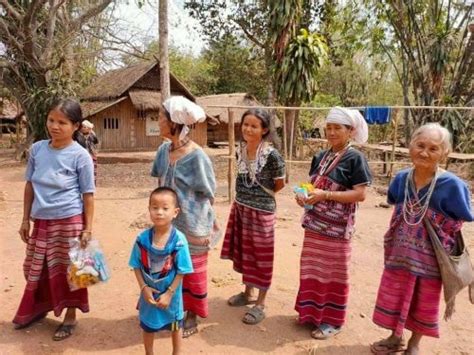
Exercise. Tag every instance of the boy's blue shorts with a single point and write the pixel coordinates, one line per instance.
(171, 326)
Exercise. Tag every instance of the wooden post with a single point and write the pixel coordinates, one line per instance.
(231, 175)
(394, 143)
(285, 146)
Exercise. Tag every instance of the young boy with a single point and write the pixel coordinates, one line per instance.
(160, 257)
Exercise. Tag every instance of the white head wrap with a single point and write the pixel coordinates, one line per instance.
(88, 124)
(184, 111)
(351, 118)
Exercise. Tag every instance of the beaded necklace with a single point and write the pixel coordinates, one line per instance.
(252, 172)
(414, 207)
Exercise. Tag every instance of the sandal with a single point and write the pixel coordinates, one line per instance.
(325, 331)
(254, 315)
(31, 322)
(64, 331)
(239, 300)
(187, 332)
(388, 347)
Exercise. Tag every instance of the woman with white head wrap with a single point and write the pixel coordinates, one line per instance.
(86, 137)
(182, 165)
(340, 176)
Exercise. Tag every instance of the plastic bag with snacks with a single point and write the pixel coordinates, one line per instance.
(88, 266)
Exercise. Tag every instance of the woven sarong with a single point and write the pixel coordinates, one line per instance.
(249, 242)
(324, 280)
(45, 270)
(408, 301)
(195, 287)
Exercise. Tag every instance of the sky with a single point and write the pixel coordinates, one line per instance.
(182, 30)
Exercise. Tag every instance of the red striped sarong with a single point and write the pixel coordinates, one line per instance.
(249, 242)
(45, 270)
(408, 301)
(195, 287)
(324, 280)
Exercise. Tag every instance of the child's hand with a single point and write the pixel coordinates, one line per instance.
(148, 295)
(299, 200)
(164, 301)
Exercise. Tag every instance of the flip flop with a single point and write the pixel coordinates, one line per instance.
(190, 331)
(325, 331)
(254, 315)
(65, 329)
(386, 347)
(239, 300)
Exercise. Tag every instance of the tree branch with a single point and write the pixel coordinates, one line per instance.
(11, 10)
(93, 11)
(249, 35)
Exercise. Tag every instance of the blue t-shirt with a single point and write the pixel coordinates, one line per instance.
(59, 178)
(162, 266)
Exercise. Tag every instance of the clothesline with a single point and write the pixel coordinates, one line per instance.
(352, 108)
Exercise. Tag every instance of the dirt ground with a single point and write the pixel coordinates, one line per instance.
(112, 327)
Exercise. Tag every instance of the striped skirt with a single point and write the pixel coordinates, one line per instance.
(249, 242)
(45, 270)
(408, 301)
(195, 287)
(324, 280)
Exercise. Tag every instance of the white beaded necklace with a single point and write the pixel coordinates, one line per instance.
(252, 172)
(414, 207)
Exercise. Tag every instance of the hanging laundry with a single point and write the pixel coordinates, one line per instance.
(377, 114)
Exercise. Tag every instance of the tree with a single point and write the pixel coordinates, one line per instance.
(164, 59)
(429, 39)
(297, 60)
(39, 38)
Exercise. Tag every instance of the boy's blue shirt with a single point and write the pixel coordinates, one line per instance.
(176, 246)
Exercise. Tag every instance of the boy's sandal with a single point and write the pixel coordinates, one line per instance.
(187, 332)
(34, 320)
(388, 347)
(325, 331)
(239, 300)
(254, 315)
(64, 331)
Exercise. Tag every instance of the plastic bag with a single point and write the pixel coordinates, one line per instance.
(302, 191)
(88, 266)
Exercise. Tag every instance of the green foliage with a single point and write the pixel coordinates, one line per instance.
(296, 77)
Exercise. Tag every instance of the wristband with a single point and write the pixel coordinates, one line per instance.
(171, 290)
(143, 287)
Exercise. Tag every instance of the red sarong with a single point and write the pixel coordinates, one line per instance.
(45, 270)
(408, 301)
(324, 280)
(195, 287)
(249, 243)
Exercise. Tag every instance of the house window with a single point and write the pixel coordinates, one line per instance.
(111, 123)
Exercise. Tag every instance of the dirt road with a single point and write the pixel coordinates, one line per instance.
(111, 326)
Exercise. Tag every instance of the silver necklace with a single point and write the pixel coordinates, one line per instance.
(252, 173)
(414, 207)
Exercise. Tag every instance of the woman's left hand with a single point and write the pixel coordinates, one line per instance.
(85, 237)
(315, 196)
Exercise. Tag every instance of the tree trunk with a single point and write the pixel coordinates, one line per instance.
(164, 59)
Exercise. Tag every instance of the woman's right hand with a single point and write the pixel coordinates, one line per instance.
(299, 200)
(24, 231)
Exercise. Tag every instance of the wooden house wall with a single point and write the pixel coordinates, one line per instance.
(131, 131)
(220, 133)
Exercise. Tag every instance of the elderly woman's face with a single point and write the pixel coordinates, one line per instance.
(85, 130)
(426, 150)
(165, 125)
(337, 134)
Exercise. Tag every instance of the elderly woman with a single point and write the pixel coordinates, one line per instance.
(87, 138)
(182, 165)
(410, 289)
(340, 176)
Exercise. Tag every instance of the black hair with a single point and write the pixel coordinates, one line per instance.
(72, 110)
(175, 126)
(266, 121)
(165, 190)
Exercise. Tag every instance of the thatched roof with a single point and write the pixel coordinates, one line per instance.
(234, 99)
(90, 108)
(145, 100)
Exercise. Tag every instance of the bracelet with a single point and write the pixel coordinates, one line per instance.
(143, 287)
(171, 290)
(86, 232)
(25, 221)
